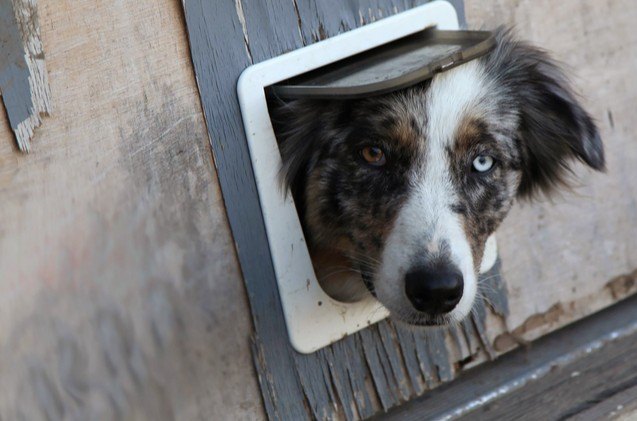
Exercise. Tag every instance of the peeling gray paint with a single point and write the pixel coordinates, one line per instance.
(14, 73)
(268, 40)
(326, 18)
(382, 366)
(24, 82)
(399, 362)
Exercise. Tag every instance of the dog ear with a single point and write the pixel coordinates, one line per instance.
(296, 125)
(554, 128)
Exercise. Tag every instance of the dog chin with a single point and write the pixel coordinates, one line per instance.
(423, 321)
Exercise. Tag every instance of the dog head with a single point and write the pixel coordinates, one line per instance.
(407, 187)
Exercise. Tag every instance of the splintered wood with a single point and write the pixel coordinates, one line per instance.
(23, 77)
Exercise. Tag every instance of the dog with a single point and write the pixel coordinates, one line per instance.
(398, 193)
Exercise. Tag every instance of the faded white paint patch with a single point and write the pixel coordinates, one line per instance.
(242, 19)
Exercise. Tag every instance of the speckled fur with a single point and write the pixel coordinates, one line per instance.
(518, 108)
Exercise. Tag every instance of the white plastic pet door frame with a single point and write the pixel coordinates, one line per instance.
(314, 319)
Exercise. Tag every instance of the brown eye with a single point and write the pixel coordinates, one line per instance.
(373, 155)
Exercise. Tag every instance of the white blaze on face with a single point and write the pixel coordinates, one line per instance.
(426, 220)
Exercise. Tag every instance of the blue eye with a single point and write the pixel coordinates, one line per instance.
(483, 163)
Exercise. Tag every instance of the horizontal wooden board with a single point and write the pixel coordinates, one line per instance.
(585, 371)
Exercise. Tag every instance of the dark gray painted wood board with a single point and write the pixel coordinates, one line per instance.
(620, 403)
(585, 371)
(373, 370)
(14, 77)
(23, 78)
(219, 56)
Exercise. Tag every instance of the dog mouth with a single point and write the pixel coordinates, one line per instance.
(367, 281)
(420, 319)
(429, 321)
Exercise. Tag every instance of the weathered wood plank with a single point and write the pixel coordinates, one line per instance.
(460, 343)
(563, 374)
(14, 76)
(317, 385)
(270, 28)
(412, 365)
(478, 320)
(336, 357)
(323, 19)
(353, 369)
(468, 333)
(392, 348)
(427, 367)
(120, 293)
(435, 339)
(620, 406)
(219, 55)
(382, 385)
(24, 83)
(571, 389)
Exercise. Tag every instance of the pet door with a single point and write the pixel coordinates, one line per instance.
(389, 54)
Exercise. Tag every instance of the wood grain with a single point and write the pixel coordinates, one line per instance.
(566, 252)
(621, 405)
(220, 55)
(584, 371)
(573, 391)
(120, 293)
(120, 289)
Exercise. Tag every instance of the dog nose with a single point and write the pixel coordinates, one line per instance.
(434, 290)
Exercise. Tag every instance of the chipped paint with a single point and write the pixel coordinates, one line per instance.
(508, 340)
(14, 75)
(616, 289)
(242, 20)
(23, 77)
(384, 365)
(623, 285)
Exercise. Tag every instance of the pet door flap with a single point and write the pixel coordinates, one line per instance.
(390, 67)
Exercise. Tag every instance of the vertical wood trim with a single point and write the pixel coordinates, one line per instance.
(267, 40)
(219, 56)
